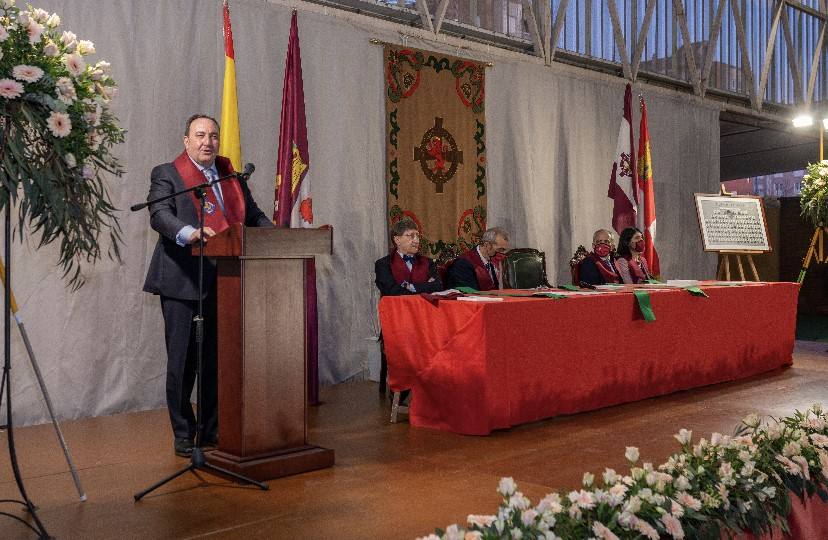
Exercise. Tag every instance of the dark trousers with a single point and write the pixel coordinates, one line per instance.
(179, 333)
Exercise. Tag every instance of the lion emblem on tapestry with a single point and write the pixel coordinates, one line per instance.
(436, 149)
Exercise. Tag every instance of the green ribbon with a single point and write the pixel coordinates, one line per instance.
(644, 305)
(695, 291)
(652, 282)
(569, 287)
(469, 290)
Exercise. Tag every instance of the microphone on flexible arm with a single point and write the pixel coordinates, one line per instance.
(248, 170)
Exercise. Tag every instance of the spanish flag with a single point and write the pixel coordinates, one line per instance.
(645, 182)
(230, 142)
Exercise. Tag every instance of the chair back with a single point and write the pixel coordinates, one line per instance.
(575, 264)
(524, 268)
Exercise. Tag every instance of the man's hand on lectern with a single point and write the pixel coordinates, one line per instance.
(208, 232)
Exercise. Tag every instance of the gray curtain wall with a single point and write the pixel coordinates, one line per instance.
(550, 138)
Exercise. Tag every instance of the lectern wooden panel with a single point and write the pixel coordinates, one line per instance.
(261, 350)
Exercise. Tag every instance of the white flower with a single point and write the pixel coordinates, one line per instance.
(683, 436)
(528, 517)
(506, 486)
(93, 115)
(726, 470)
(27, 73)
(86, 47)
(4, 34)
(633, 504)
(716, 439)
(10, 89)
(51, 50)
(516, 533)
(588, 479)
(68, 37)
(582, 499)
(610, 476)
(751, 420)
(631, 454)
(96, 74)
(770, 491)
(473, 535)
(429, 537)
(673, 526)
(480, 520)
(453, 533)
(774, 432)
(518, 501)
(59, 124)
(103, 66)
(823, 171)
(601, 531)
(23, 18)
(70, 160)
(40, 15)
(53, 21)
(74, 63)
(65, 90)
(35, 30)
(681, 483)
(791, 449)
(551, 503)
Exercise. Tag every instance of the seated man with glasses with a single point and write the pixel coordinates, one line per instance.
(404, 271)
(598, 268)
(479, 268)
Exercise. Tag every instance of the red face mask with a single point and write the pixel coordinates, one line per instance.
(639, 246)
(498, 258)
(602, 250)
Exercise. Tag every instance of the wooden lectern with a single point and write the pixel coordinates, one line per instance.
(261, 350)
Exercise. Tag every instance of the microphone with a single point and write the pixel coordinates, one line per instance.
(248, 170)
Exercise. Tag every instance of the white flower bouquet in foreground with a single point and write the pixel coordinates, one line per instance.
(57, 135)
(712, 489)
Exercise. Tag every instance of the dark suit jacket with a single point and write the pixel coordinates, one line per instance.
(173, 271)
(461, 274)
(388, 286)
(589, 273)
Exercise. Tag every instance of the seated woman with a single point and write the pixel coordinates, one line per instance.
(631, 264)
(598, 268)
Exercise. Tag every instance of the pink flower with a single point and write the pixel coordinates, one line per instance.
(10, 89)
(480, 520)
(35, 30)
(74, 63)
(27, 73)
(4, 34)
(646, 529)
(582, 499)
(65, 90)
(689, 501)
(673, 526)
(59, 124)
(601, 531)
(86, 47)
(51, 50)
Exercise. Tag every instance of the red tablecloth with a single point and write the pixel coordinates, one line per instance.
(474, 367)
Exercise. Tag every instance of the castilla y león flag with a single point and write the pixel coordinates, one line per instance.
(623, 186)
(293, 205)
(645, 179)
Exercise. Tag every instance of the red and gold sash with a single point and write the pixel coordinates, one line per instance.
(418, 272)
(638, 269)
(230, 190)
(610, 274)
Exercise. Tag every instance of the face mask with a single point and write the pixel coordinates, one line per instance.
(639, 246)
(498, 258)
(602, 250)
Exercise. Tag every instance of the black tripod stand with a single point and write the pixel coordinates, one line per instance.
(197, 461)
(5, 389)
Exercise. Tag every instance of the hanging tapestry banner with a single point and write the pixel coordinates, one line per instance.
(436, 147)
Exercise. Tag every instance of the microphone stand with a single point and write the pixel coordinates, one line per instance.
(197, 461)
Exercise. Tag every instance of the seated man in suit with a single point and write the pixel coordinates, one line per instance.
(404, 271)
(477, 268)
(598, 268)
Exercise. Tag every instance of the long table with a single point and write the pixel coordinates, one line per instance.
(474, 367)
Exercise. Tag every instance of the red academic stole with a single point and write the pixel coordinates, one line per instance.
(484, 278)
(230, 190)
(638, 269)
(609, 274)
(418, 272)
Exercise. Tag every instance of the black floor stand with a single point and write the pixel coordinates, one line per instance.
(5, 390)
(197, 461)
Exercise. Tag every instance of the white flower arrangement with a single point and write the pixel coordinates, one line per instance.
(713, 489)
(57, 135)
(814, 193)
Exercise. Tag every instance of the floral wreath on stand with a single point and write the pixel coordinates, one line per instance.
(814, 194)
(57, 136)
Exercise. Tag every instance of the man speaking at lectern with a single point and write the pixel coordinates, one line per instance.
(173, 271)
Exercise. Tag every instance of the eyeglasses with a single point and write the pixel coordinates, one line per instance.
(412, 235)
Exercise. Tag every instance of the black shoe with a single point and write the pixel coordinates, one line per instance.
(209, 444)
(183, 447)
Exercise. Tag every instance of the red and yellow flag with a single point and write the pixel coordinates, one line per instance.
(645, 181)
(230, 142)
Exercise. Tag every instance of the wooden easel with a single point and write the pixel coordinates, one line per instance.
(815, 251)
(724, 264)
